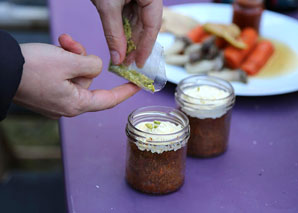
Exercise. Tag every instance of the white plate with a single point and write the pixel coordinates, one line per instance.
(274, 26)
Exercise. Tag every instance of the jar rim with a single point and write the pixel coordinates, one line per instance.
(171, 111)
(212, 79)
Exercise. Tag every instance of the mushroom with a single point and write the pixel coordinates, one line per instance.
(178, 46)
(195, 47)
(230, 75)
(204, 66)
(194, 51)
(178, 60)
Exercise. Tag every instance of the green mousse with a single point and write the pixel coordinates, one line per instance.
(132, 75)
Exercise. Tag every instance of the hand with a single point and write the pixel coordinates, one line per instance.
(55, 82)
(145, 17)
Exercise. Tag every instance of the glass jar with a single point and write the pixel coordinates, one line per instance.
(155, 162)
(207, 102)
(248, 13)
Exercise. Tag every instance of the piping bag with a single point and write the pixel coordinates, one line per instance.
(152, 77)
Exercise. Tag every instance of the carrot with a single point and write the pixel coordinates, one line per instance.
(198, 34)
(234, 56)
(258, 58)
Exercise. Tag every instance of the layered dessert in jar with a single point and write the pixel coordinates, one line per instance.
(207, 102)
(156, 149)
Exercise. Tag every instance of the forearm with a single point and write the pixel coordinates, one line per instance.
(11, 67)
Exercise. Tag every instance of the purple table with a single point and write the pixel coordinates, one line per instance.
(259, 173)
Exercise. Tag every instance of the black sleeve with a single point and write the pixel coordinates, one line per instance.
(11, 68)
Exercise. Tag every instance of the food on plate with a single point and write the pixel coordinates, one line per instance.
(178, 60)
(192, 49)
(248, 13)
(283, 60)
(231, 52)
(177, 23)
(229, 32)
(208, 103)
(202, 58)
(209, 49)
(156, 149)
(235, 56)
(258, 58)
(222, 50)
(198, 34)
(230, 75)
(178, 46)
(204, 66)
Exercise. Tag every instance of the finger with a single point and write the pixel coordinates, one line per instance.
(67, 43)
(85, 66)
(151, 16)
(83, 82)
(106, 99)
(111, 16)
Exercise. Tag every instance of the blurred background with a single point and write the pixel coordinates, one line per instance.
(31, 175)
(31, 170)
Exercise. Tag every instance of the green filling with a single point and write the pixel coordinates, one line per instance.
(127, 31)
(157, 122)
(132, 75)
(149, 126)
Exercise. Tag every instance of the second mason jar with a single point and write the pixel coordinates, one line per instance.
(207, 102)
(156, 149)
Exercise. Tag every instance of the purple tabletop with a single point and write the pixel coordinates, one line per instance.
(258, 173)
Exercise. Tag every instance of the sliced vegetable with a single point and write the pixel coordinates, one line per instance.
(229, 32)
(198, 34)
(234, 56)
(258, 58)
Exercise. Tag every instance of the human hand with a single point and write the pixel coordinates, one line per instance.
(55, 82)
(145, 17)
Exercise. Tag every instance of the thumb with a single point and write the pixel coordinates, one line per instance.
(111, 17)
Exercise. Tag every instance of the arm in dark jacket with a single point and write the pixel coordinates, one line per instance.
(11, 67)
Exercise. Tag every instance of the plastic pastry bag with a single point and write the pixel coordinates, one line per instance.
(152, 77)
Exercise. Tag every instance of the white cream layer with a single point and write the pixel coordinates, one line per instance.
(159, 132)
(205, 102)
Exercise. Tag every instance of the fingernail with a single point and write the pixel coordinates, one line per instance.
(115, 57)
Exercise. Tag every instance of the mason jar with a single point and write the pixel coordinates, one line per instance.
(156, 149)
(207, 102)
